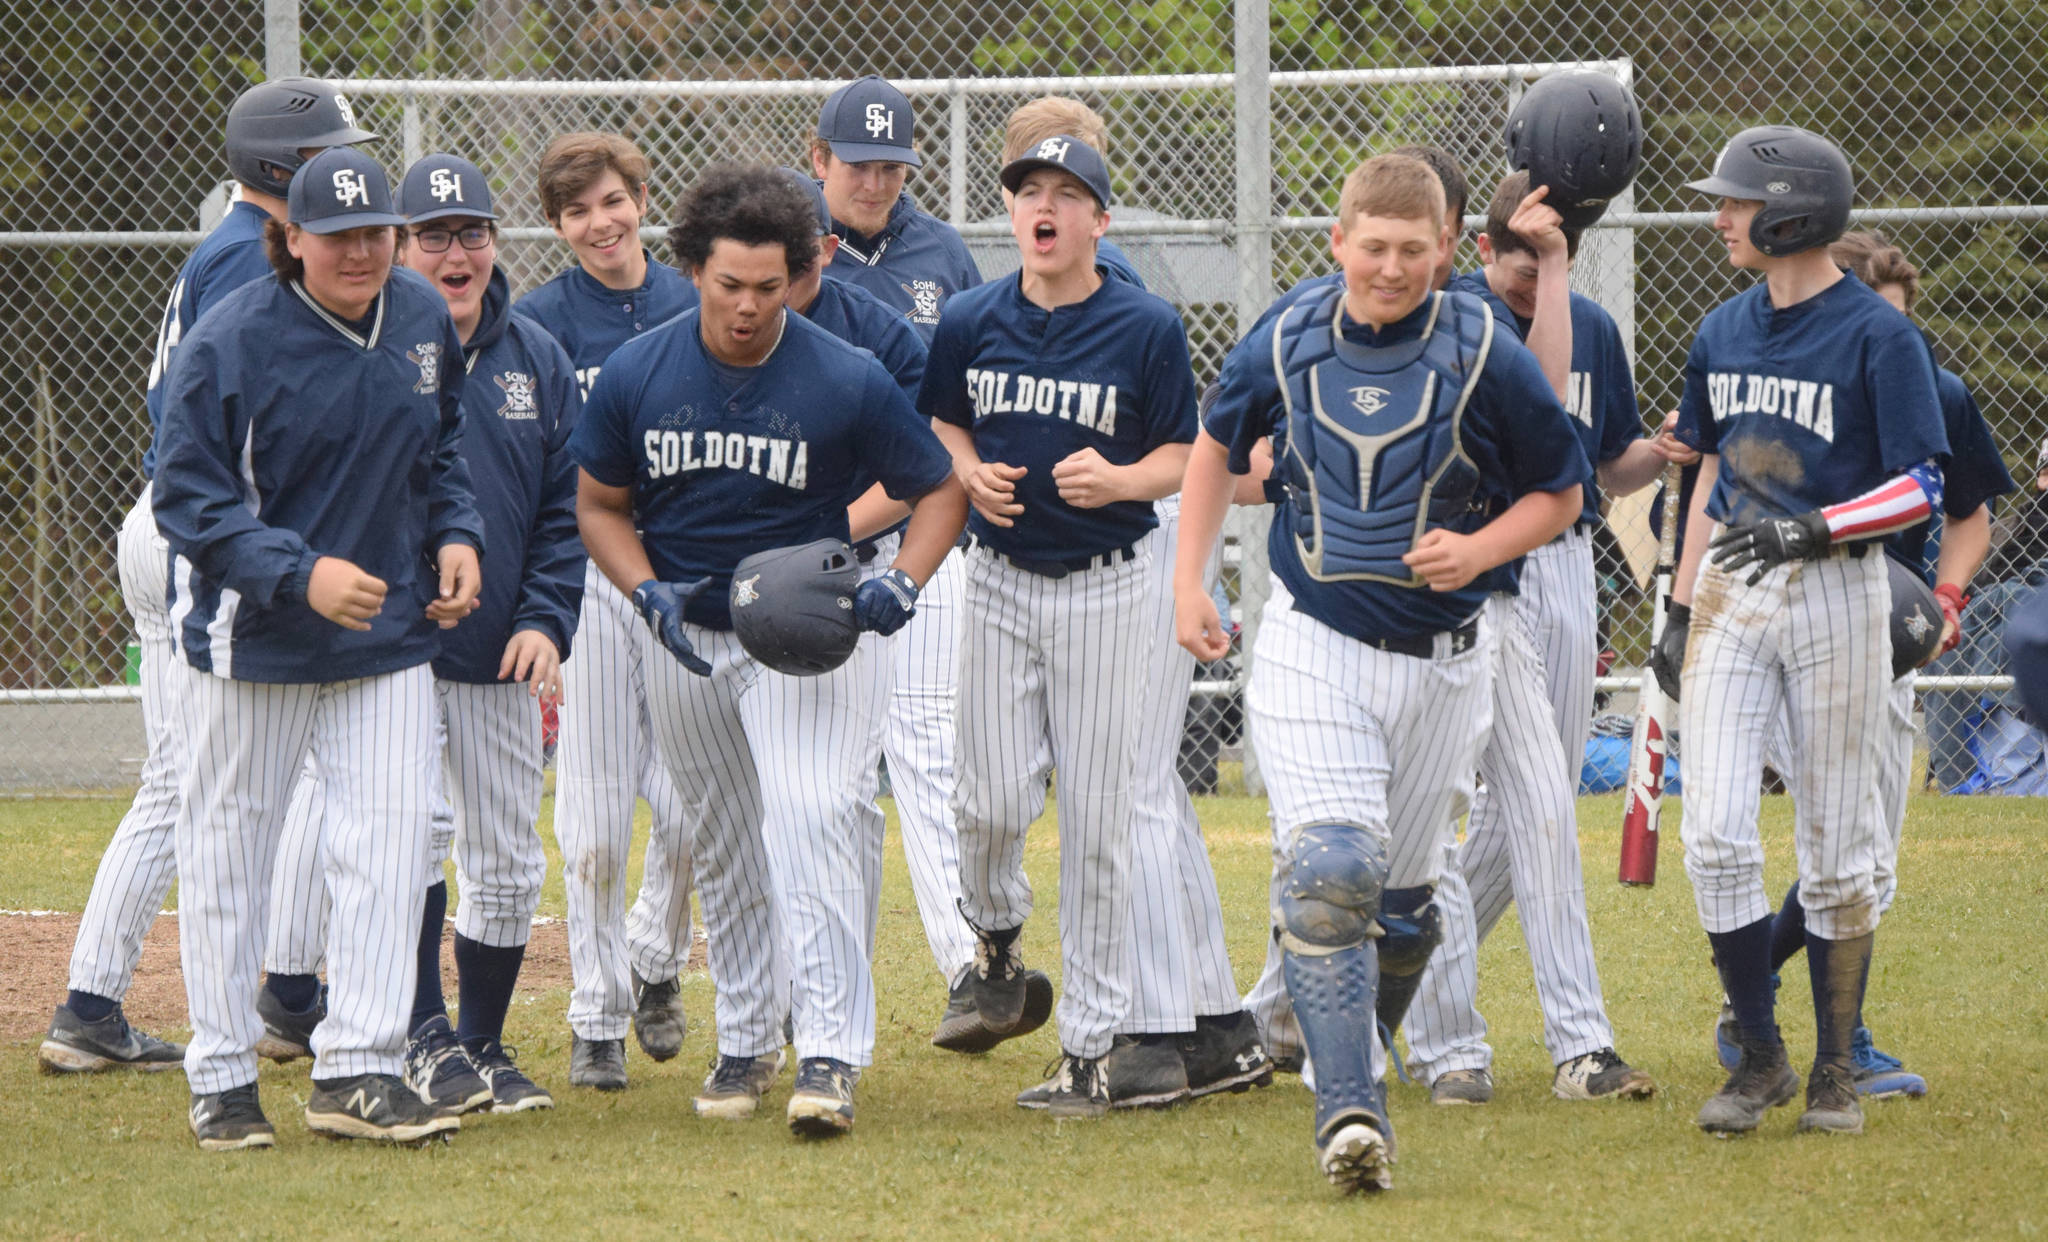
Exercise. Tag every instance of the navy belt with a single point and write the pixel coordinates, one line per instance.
(1576, 528)
(1423, 646)
(1060, 568)
(865, 551)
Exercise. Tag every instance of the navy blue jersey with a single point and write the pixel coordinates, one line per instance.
(1972, 476)
(591, 320)
(915, 264)
(288, 436)
(1601, 395)
(226, 259)
(1514, 431)
(1110, 372)
(858, 317)
(519, 404)
(1111, 261)
(719, 474)
(1810, 405)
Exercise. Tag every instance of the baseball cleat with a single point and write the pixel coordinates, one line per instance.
(1880, 1075)
(997, 979)
(658, 1020)
(1831, 1106)
(511, 1090)
(1461, 1086)
(378, 1107)
(231, 1120)
(962, 1030)
(287, 1035)
(599, 1063)
(821, 1106)
(1728, 1039)
(1074, 1087)
(1763, 1080)
(1601, 1075)
(439, 1072)
(1354, 1155)
(733, 1088)
(75, 1046)
(1224, 1054)
(1145, 1071)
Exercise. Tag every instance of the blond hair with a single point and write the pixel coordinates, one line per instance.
(1875, 261)
(1049, 116)
(1395, 186)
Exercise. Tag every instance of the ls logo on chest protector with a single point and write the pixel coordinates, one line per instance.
(1368, 401)
(427, 356)
(518, 389)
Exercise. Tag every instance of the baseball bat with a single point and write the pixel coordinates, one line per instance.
(1654, 714)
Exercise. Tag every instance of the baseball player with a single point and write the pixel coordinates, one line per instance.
(1369, 691)
(863, 152)
(270, 131)
(519, 403)
(593, 190)
(1521, 842)
(1268, 1001)
(308, 477)
(1946, 552)
(726, 432)
(1813, 403)
(1067, 401)
(1186, 1033)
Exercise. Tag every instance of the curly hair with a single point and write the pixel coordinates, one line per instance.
(752, 204)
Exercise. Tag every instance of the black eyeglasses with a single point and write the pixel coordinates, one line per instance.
(434, 241)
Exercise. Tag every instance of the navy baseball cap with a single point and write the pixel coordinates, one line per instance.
(869, 120)
(1068, 154)
(812, 190)
(339, 189)
(439, 185)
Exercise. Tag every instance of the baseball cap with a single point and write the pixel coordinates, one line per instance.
(1068, 154)
(441, 185)
(340, 189)
(812, 190)
(868, 120)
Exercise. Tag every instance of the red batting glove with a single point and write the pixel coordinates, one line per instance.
(1952, 601)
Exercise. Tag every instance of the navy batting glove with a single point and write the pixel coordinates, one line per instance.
(1773, 541)
(1667, 658)
(883, 604)
(660, 604)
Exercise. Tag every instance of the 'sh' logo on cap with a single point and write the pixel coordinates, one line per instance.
(444, 184)
(1053, 149)
(348, 114)
(349, 187)
(881, 121)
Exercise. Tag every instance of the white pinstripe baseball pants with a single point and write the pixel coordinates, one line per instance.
(372, 739)
(780, 854)
(1349, 734)
(1809, 642)
(606, 759)
(1046, 684)
(1522, 840)
(1181, 962)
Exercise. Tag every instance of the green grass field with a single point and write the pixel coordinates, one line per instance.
(939, 1150)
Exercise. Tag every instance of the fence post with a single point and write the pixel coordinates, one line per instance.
(280, 39)
(956, 153)
(1254, 108)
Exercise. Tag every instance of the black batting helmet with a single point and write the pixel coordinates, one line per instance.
(1916, 620)
(271, 121)
(1581, 135)
(1801, 178)
(792, 608)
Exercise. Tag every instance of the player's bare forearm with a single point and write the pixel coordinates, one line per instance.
(1694, 544)
(873, 512)
(936, 519)
(604, 517)
(959, 444)
(1205, 493)
(1965, 542)
(1641, 462)
(1550, 332)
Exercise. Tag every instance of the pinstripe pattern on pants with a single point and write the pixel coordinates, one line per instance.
(372, 739)
(1809, 642)
(1181, 964)
(1893, 783)
(780, 854)
(605, 759)
(1046, 683)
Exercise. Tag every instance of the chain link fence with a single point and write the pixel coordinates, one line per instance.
(1231, 129)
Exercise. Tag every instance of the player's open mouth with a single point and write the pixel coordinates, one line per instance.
(456, 282)
(608, 245)
(1044, 235)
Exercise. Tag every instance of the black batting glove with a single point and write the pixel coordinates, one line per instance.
(1667, 658)
(1770, 542)
(660, 604)
(884, 603)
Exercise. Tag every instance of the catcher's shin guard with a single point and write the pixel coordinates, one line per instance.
(1333, 1001)
(1411, 928)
